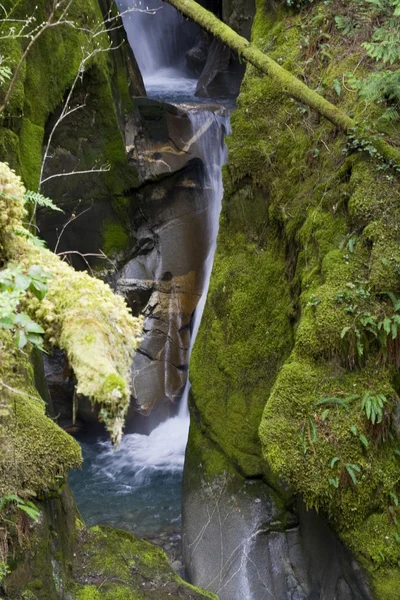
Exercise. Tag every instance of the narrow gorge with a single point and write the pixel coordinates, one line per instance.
(199, 296)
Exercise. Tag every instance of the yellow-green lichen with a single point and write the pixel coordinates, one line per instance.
(81, 315)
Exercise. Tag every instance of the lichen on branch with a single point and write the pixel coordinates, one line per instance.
(80, 314)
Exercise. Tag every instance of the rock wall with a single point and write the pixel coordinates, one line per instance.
(272, 349)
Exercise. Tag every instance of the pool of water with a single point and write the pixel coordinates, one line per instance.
(137, 487)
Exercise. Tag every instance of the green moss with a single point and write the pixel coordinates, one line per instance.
(303, 226)
(31, 141)
(116, 238)
(36, 453)
(142, 573)
(244, 335)
(386, 584)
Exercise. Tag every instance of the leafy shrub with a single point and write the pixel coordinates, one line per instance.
(14, 285)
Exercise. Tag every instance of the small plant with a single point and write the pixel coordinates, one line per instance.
(381, 329)
(360, 436)
(15, 283)
(4, 571)
(341, 402)
(36, 199)
(26, 506)
(372, 406)
(352, 470)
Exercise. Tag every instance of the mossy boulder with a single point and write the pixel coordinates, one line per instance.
(63, 558)
(293, 338)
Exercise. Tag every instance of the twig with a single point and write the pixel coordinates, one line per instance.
(103, 169)
(73, 218)
(19, 392)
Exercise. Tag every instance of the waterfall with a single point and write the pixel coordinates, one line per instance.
(157, 36)
(164, 448)
(147, 468)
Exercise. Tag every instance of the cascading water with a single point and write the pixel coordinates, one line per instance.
(138, 486)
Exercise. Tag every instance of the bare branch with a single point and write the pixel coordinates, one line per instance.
(73, 218)
(103, 169)
(15, 391)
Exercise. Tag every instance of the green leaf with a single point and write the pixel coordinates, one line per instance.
(386, 325)
(33, 513)
(338, 401)
(325, 414)
(36, 198)
(353, 430)
(21, 339)
(35, 339)
(22, 282)
(338, 89)
(22, 319)
(364, 440)
(344, 331)
(350, 470)
(334, 461)
(334, 481)
(33, 327)
(6, 323)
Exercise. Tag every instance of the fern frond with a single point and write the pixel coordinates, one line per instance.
(40, 200)
(36, 241)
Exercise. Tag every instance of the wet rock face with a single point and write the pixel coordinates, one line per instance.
(168, 272)
(173, 225)
(158, 139)
(222, 72)
(242, 540)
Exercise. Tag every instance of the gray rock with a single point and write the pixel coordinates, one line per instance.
(243, 541)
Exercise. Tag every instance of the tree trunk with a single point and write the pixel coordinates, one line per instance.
(288, 83)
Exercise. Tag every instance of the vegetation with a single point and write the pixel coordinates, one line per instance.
(295, 371)
(289, 84)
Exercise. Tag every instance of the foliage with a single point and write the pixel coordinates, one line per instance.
(27, 506)
(372, 405)
(37, 199)
(5, 75)
(15, 283)
(4, 570)
(383, 47)
(381, 329)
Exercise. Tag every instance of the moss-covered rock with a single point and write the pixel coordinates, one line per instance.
(319, 250)
(80, 314)
(35, 453)
(89, 138)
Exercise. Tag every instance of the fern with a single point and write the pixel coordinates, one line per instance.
(385, 44)
(39, 200)
(36, 241)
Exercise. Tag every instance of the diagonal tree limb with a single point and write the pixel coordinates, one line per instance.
(288, 83)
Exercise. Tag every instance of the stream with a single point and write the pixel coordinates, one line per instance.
(138, 487)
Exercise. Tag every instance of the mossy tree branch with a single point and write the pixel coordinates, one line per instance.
(79, 314)
(288, 83)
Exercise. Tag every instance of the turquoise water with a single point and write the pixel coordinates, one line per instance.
(114, 488)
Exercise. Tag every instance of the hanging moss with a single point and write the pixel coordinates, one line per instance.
(80, 314)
